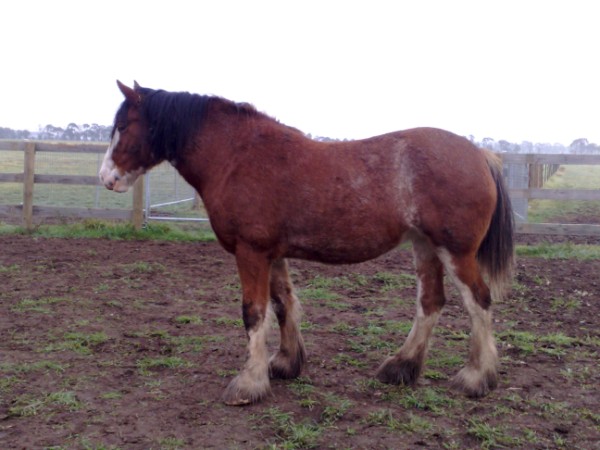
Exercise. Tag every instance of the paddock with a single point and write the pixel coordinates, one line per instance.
(130, 345)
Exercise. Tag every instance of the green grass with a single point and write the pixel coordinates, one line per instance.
(36, 366)
(567, 177)
(185, 320)
(560, 251)
(289, 433)
(490, 436)
(347, 360)
(434, 400)
(554, 344)
(318, 293)
(112, 395)
(9, 268)
(385, 417)
(92, 229)
(82, 343)
(391, 281)
(178, 344)
(28, 405)
(171, 443)
(145, 365)
(41, 305)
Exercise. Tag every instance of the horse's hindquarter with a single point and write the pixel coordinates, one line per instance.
(452, 189)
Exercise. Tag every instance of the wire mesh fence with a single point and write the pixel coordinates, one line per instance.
(169, 197)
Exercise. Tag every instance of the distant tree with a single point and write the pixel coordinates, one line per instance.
(23, 134)
(6, 133)
(71, 133)
(579, 145)
(527, 147)
(593, 148)
(505, 146)
(488, 142)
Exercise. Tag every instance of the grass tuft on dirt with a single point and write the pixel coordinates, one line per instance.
(94, 229)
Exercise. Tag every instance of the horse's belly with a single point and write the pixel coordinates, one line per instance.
(339, 249)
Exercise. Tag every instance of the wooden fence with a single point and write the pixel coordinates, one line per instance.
(28, 211)
(536, 167)
(539, 168)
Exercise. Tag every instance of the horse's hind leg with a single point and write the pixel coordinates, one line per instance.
(405, 367)
(288, 361)
(479, 376)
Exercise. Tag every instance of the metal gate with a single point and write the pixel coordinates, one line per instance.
(168, 197)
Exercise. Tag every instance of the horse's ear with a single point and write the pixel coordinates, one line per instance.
(129, 93)
(136, 86)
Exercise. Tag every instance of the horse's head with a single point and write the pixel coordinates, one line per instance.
(128, 155)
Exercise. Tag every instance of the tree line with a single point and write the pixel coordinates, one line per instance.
(72, 132)
(579, 146)
(101, 133)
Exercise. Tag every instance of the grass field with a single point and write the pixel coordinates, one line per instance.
(567, 177)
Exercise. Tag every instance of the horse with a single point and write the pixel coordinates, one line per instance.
(272, 194)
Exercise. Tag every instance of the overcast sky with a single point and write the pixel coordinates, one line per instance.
(508, 69)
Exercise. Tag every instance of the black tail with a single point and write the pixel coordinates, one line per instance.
(496, 253)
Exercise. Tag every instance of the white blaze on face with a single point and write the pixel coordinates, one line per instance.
(113, 178)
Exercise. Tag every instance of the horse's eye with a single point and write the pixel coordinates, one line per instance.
(121, 128)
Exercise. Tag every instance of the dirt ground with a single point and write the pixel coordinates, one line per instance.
(129, 344)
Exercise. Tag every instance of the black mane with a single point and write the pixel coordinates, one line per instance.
(172, 119)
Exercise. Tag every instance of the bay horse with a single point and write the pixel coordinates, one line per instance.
(272, 193)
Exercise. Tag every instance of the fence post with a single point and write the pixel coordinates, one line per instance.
(28, 181)
(137, 214)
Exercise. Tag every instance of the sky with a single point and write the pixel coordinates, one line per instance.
(519, 70)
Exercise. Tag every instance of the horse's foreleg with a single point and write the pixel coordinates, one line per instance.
(479, 376)
(406, 366)
(252, 384)
(288, 361)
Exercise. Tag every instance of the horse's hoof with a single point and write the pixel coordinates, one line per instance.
(285, 367)
(237, 401)
(473, 383)
(241, 393)
(395, 371)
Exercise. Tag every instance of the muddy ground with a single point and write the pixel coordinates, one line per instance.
(112, 344)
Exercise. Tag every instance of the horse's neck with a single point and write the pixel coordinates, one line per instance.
(212, 151)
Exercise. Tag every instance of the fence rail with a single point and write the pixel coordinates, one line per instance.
(28, 211)
(534, 170)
